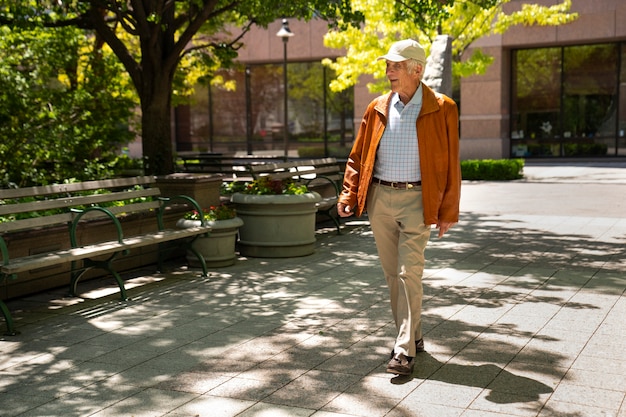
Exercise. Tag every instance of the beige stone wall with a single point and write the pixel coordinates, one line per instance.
(307, 44)
(362, 98)
(484, 107)
(598, 21)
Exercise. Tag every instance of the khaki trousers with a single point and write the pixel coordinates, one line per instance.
(397, 220)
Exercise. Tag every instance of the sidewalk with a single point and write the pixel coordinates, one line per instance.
(524, 315)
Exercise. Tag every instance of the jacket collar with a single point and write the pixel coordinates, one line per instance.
(430, 102)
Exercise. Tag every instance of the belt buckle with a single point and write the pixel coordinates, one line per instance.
(397, 185)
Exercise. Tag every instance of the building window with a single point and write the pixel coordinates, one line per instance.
(565, 101)
(250, 118)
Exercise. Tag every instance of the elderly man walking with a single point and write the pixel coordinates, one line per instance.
(404, 170)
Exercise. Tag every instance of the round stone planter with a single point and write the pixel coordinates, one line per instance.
(217, 249)
(276, 226)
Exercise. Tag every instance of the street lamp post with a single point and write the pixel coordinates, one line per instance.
(285, 33)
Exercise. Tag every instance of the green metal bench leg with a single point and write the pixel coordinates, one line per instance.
(120, 283)
(188, 247)
(9, 320)
(205, 272)
(161, 250)
(106, 265)
(336, 221)
(75, 276)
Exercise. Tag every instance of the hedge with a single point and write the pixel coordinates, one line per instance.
(492, 169)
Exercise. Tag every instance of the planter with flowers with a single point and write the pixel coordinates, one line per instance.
(278, 217)
(218, 248)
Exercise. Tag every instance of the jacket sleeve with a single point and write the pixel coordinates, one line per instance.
(449, 209)
(360, 164)
(354, 164)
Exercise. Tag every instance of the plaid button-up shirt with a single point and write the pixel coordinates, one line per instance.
(397, 157)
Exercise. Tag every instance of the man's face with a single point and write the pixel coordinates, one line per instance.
(401, 81)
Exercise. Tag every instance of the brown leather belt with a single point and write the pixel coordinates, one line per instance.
(397, 185)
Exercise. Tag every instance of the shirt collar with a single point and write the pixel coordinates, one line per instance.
(415, 100)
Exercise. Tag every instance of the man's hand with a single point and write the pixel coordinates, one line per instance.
(344, 210)
(443, 228)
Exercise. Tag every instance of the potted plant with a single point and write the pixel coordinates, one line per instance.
(218, 248)
(278, 216)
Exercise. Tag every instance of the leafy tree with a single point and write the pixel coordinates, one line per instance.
(154, 39)
(64, 109)
(464, 20)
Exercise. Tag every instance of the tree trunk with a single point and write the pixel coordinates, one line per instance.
(155, 95)
(158, 156)
(152, 77)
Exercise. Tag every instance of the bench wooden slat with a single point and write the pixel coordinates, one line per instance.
(307, 173)
(13, 193)
(280, 175)
(56, 219)
(75, 201)
(36, 222)
(106, 248)
(268, 167)
(234, 166)
(330, 169)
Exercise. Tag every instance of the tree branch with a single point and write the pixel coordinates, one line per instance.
(214, 44)
(207, 12)
(97, 21)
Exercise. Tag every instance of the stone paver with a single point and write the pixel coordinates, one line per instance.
(523, 315)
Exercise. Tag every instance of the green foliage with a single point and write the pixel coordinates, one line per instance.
(492, 169)
(167, 46)
(64, 107)
(264, 186)
(464, 20)
(125, 163)
(426, 14)
(232, 187)
(477, 64)
(213, 213)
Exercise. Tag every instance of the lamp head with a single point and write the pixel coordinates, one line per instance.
(284, 31)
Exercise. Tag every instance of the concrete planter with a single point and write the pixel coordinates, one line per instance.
(217, 249)
(276, 226)
(204, 188)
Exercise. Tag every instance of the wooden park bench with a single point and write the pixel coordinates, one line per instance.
(234, 168)
(314, 173)
(72, 205)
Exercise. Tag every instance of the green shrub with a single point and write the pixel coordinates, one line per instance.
(264, 186)
(492, 169)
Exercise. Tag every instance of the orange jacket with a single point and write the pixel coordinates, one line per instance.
(438, 140)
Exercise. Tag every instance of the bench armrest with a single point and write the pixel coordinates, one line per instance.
(166, 201)
(324, 177)
(5, 259)
(82, 212)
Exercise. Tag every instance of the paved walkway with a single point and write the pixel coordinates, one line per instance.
(524, 315)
